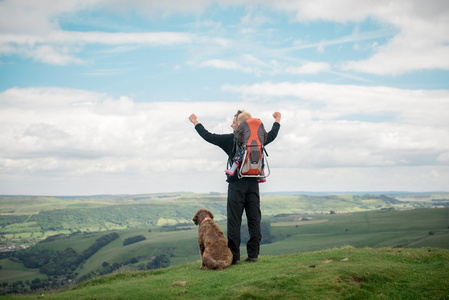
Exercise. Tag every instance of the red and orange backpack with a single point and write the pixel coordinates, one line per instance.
(251, 136)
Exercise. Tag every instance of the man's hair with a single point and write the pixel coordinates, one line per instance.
(242, 117)
(238, 113)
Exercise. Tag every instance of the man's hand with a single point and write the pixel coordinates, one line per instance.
(277, 116)
(193, 119)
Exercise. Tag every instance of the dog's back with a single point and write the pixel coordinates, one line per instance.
(217, 254)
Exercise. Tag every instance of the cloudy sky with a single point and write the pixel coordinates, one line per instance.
(95, 95)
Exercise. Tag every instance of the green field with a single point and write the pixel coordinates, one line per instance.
(365, 229)
(13, 271)
(412, 228)
(297, 224)
(27, 220)
(343, 273)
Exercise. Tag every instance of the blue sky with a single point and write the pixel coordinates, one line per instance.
(95, 95)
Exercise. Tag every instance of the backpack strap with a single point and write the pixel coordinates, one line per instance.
(233, 153)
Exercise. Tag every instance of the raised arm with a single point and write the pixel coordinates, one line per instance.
(224, 141)
(275, 129)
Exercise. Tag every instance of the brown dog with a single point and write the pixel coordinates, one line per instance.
(214, 250)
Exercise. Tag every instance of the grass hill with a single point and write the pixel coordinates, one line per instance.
(25, 220)
(160, 226)
(288, 233)
(339, 273)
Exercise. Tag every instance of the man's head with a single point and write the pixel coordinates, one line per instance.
(243, 117)
(235, 124)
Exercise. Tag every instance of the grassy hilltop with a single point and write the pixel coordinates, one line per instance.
(343, 273)
(73, 239)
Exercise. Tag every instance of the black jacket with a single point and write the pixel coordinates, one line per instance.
(227, 141)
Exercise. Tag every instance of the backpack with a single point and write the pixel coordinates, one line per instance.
(251, 136)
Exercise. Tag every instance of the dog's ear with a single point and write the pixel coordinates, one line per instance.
(211, 214)
(195, 218)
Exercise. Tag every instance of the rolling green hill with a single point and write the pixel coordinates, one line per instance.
(27, 220)
(289, 233)
(293, 224)
(344, 273)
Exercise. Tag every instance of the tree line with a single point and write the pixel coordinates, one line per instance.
(53, 263)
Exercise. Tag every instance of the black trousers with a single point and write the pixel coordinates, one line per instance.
(243, 194)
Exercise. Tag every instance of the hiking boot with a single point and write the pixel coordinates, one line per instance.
(249, 259)
(236, 262)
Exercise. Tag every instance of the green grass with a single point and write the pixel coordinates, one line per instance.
(21, 227)
(79, 243)
(364, 229)
(339, 273)
(402, 229)
(13, 271)
(182, 243)
(27, 219)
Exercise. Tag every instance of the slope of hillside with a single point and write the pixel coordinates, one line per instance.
(25, 220)
(343, 273)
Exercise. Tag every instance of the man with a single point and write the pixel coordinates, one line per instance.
(243, 193)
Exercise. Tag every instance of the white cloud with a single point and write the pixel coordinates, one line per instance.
(309, 68)
(418, 47)
(443, 157)
(75, 135)
(417, 179)
(323, 127)
(331, 133)
(225, 64)
(421, 43)
(248, 64)
(418, 107)
(32, 28)
(118, 38)
(62, 123)
(59, 47)
(51, 55)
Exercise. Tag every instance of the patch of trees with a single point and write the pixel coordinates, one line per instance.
(387, 209)
(54, 263)
(62, 236)
(6, 220)
(440, 202)
(77, 218)
(50, 262)
(53, 238)
(133, 240)
(386, 199)
(47, 221)
(167, 196)
(179, 227)
(157, 262)
(282, 215)
(21, 287)
(61, 263)
(99, 243)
